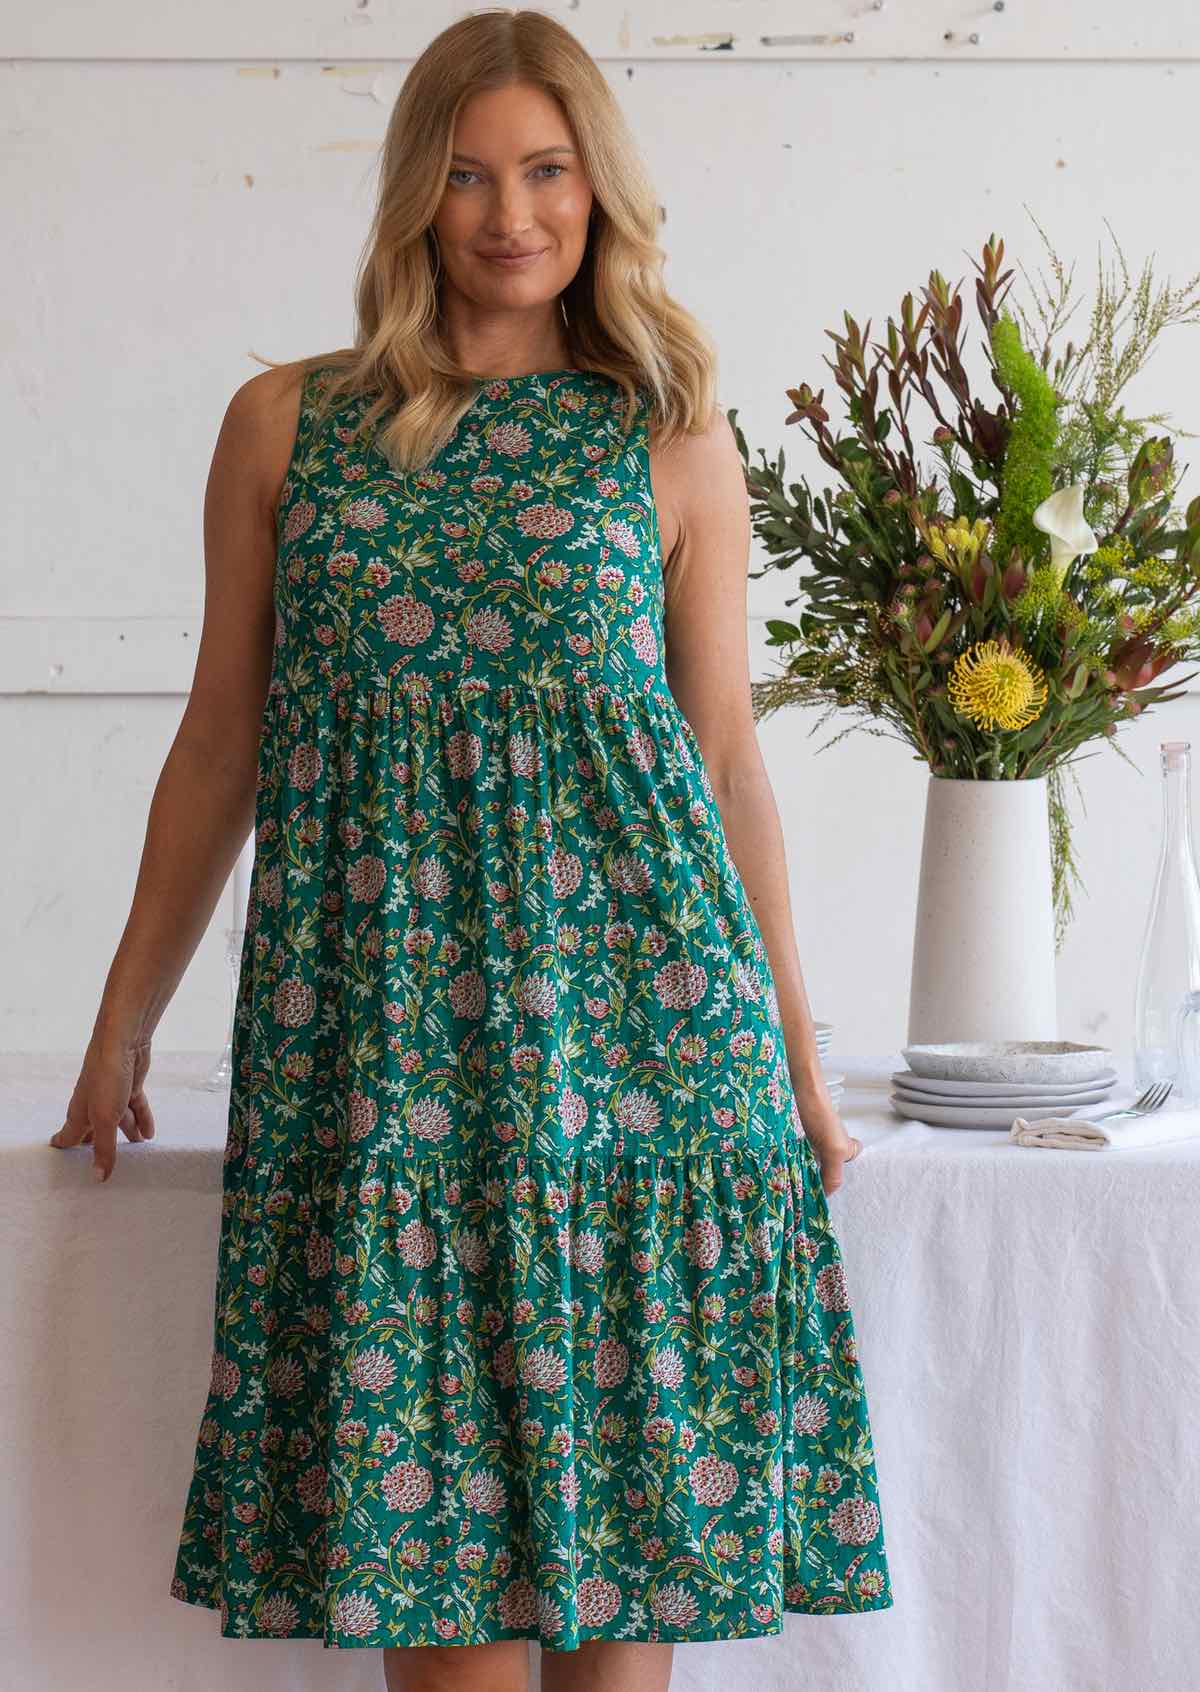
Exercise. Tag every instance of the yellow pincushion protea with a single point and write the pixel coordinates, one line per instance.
(994, 685)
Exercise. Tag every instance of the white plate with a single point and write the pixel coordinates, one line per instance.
(982, 1090)
(978, 1116)
(1008, 1061)
(1022, 1102)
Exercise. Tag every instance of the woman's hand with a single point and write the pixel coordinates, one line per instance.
(108, 1095)
(825, 1132)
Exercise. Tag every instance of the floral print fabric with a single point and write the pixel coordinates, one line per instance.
(529, 1319)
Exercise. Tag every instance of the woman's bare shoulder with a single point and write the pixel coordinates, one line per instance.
(264, 415)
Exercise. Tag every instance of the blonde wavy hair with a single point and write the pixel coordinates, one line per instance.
(620, 320)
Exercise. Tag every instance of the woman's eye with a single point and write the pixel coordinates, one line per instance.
(459, 170)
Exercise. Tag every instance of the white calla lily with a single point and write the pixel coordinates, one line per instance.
(1061, 517)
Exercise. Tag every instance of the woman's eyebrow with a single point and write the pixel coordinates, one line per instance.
(467, 158)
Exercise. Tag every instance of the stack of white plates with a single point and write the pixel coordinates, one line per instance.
(983, 1084)
(834, 1082)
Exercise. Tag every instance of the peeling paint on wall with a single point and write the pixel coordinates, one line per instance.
(709, 40)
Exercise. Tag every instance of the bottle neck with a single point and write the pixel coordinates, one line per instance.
(1177, 811)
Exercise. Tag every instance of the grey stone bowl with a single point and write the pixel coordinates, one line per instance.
(1018, 1062)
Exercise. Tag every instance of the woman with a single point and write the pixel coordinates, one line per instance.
(529, 1320)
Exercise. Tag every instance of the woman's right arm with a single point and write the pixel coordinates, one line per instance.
(204, 801)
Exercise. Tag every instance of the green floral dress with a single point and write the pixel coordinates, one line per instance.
(529, 1319)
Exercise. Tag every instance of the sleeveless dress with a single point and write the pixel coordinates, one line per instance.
(529, 1319)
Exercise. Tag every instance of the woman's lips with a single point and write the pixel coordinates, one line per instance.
(520, 262)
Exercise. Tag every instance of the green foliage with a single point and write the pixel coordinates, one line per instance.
(1028, 462)
(907, 566)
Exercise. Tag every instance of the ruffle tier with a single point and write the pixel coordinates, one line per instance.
(606, 1396)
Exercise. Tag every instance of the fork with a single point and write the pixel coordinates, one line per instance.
(1154, 1098)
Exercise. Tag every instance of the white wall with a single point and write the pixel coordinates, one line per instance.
(188, 185)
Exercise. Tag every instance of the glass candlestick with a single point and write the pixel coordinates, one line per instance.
(1169, 969)
(221, 1074)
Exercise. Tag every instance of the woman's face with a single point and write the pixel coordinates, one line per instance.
(516, 184)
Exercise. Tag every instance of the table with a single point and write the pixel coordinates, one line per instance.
(1029, 1330)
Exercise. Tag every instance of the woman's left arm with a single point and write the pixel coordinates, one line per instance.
(708, 671)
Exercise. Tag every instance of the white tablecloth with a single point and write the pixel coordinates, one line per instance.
(1029, 1331)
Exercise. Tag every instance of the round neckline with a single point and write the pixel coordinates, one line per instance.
(529, 375)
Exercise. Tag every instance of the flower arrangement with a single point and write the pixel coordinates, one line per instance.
(1015, 598)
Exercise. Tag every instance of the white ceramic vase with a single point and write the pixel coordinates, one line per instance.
(983, 964)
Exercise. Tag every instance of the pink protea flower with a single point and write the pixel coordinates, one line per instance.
(713, 1481)
(855, 1521)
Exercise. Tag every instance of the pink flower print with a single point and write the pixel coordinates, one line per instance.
(432, 879)
(312, 1487)
(407, 1486)
(597, 1601)
(543, 1369)
(373, 1370)
(489, 630)
(667, 1368)
(586, 1251)
(486, 1492)
(285, 1377)
(467, 994)
(612, 1364)
(642, 639)
(269, 887)
(830, 1285)
(713, 1481)
(810, 1414)
(405, 619)
(702, 1242)
(545, 521)
(680, 985)
(622, 535)
(513, 440)
(429, 1119)
(762, 1243)
(362, 1115)
(568, 1486)
(566, 871)
(516, 1606)
(504, 1363)
(630, 873)
(776, 1481)
(305, 766)
(318, 1254)
(299, 520)
(674, 1605)
(366, 877)
(293, 1003)
(610, 578)
(639, 1112)
(277, 1614)
(464, 753)
(549, 1614)
(365, 513)
(524, 755)
(416, 1244)
(746, 981)
(226, 1377)
(855, 1521)
(355, 1615)
(538, 996)
(572, 1112)
(472, 1250)
(643, 749)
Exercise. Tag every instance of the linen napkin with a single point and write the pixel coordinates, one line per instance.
(1077, 1133)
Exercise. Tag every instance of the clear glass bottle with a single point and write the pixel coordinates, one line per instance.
(1169, 968)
